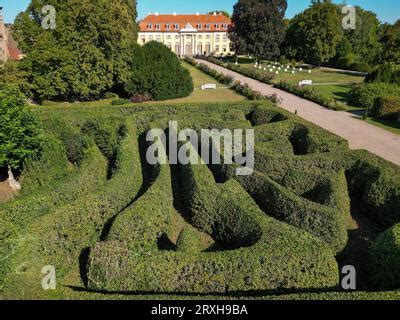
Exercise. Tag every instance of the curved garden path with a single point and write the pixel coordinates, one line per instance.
(360, 134)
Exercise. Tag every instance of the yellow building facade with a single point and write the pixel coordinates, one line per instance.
(188, 35)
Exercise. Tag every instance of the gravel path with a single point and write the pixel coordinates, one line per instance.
(360, 134)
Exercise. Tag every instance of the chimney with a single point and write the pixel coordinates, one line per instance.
(215, 13)
(174, 13)
(156, 14)
(198, 13)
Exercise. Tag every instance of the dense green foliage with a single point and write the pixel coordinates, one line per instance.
(387, 73)
(258, 28)
(19, 129)
(229, 215)
(85, 55)
(157, 71)
(310, 93)
(188, 228)
(365, 95)
(386, 108)
(359, 47)
(314, 34)
(385, 259)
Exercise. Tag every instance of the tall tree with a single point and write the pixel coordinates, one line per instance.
(258, 27)
(20, 135)
(389, 37)
(87, 52)
(313, 35)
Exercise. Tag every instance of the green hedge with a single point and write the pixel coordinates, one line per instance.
(364, 95)
(384, 260)
(377, 183)
(311, 94)
(157, 72)
(262, 250)
(387, 108)
(60, 237)
(147, 219)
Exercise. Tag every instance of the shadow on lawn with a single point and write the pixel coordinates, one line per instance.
(235, 294)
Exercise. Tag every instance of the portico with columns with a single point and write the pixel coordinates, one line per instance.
(188, 35)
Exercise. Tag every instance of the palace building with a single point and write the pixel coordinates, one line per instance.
(188, 35)
(8, 47)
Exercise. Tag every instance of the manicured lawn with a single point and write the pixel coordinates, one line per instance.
(221, 94)
(317, 76)
(339, 92)
(389, 125)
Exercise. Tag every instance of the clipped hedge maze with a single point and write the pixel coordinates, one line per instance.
(111, 223)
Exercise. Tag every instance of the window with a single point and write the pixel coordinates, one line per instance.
(224, 48)
(207, 27)
(176, 26)
(225, 26)
(225, 37)
(157, 27)
(169, 37)
(168, 27)
(200, 26)
(158, 38)
(217, 26)
(150, 38)
(143, 37)
(217, 48)
(150, 26)
(177, 37)
(200, 36)
(208, 36)
(217, 38)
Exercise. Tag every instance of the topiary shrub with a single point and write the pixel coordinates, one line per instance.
(364, 95)
(377, 183)
(263, 253)
(158, 72)
(387, 108)
(384, 260)
(119, 102)
(110, 95)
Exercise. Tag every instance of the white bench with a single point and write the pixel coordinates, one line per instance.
(209, 86)
(305, 83)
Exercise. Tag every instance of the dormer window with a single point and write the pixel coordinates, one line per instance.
(168, 27)
(217, 26)
(176, 26)
(207, 27)
(225, 26)
(158, 27)
(200, 26)
(150, 26)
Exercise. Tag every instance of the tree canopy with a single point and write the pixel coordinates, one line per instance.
(314, 34)
(85, 55)
(258, 27)
(19, 129)
(158, 73)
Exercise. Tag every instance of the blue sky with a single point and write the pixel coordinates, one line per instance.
(387, 10)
